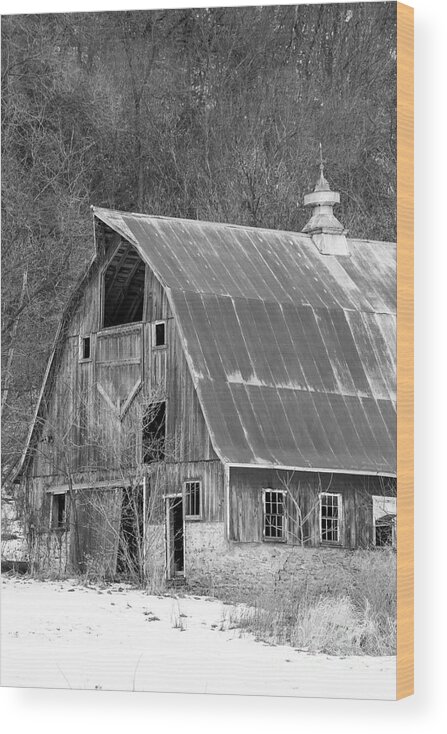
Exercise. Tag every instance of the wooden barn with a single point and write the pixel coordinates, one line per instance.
(237, 385)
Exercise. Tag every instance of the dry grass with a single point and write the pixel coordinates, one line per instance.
(357, 617)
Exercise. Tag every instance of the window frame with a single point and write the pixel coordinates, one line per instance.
(198, 516)
(325, 541)
(283, 537)
(154, 334)
(82, 338)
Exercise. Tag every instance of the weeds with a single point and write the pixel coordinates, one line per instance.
(356, 618)
(177, 618)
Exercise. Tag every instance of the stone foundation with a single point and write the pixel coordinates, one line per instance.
(241, 571)
(226, 569)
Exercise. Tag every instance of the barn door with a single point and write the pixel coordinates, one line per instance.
(175, 537)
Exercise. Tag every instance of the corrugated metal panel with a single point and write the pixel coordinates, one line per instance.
(292, 352)
(263, 264)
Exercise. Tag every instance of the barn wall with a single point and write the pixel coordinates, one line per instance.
(88, 542)
(211, 476)
(94, 407)
(246, 563)
(92, 402)
(246, 508)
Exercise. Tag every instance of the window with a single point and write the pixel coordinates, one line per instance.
(384, 521)
(192, 499)
(84, 348)
(330, 517)
(274, 514)
(384, 535)
(58, 511)
(154, 432)
(159, 339)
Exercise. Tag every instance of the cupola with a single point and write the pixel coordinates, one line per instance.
(328, 234)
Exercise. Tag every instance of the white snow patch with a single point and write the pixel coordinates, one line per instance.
(236, 377)
(63, 635)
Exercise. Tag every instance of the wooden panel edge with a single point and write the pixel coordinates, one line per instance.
(405, 352)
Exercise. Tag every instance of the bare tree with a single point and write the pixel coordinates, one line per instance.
(302, 504)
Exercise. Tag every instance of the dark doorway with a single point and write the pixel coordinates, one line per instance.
(174, 537)
(130, 547)
(154, 432)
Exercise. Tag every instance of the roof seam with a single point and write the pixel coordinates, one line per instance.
(262, 299)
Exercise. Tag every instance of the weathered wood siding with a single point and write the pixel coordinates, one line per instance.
(94, 407)
(246, 503)
(171, 478)
(93, 403)
(94, 526)
(166, 373)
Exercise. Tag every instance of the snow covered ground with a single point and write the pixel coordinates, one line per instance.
(64, 635)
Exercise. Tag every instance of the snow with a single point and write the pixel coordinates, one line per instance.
(64, 635)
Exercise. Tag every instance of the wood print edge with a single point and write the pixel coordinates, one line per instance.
(405, 352)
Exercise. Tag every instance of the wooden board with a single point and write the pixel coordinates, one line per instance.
(405, 352)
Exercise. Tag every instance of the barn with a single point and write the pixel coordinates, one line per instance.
(234, 387)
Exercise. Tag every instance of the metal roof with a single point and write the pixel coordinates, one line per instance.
(292, 352)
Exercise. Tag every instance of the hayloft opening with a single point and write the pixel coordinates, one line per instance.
(123, 293)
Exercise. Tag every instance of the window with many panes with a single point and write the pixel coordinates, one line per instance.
(274, 514)
(192, 499)
(330, 517)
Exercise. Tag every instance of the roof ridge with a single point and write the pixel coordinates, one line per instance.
(230, 225)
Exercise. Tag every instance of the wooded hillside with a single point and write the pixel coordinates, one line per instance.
(213, 114)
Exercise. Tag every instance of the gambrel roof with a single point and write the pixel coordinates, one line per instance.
(292, 352)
